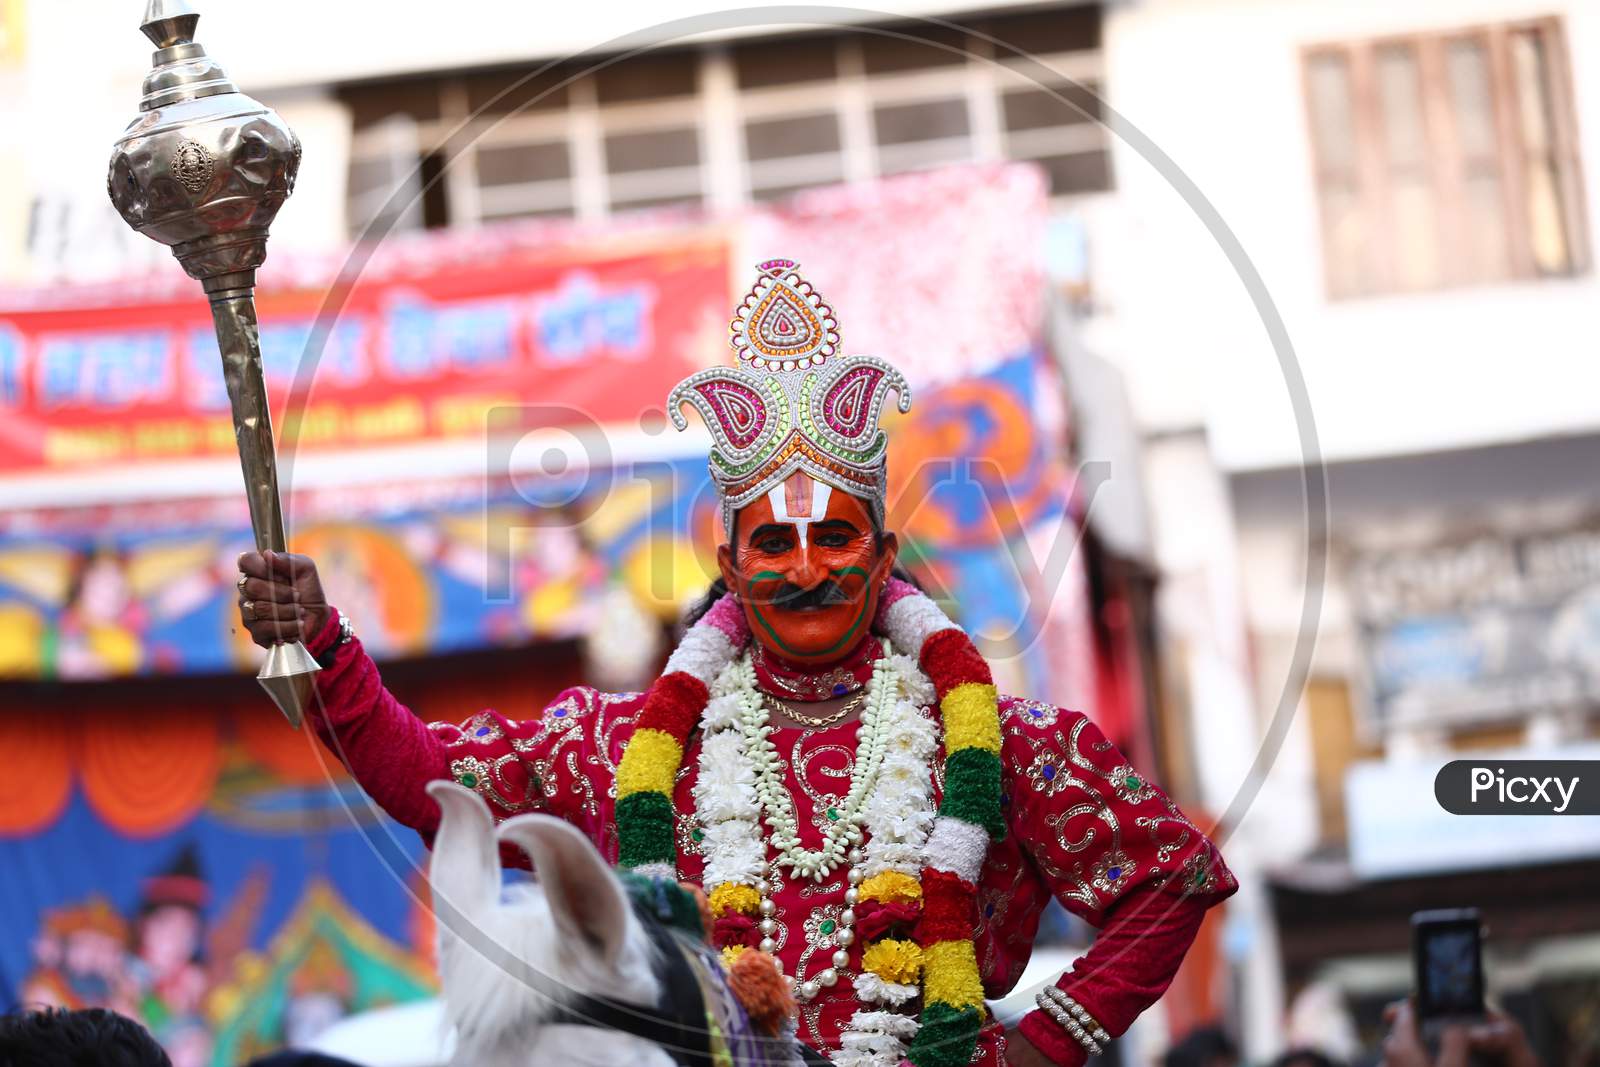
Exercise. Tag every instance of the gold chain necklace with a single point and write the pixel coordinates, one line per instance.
(814, 722)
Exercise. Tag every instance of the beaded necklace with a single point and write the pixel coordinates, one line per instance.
(940, 901)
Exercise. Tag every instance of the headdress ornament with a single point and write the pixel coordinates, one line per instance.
(791, 402)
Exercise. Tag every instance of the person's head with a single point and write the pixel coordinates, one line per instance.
(1207, 1046)
(93, 1037)
(808, 563)
(800, 463)
(1305, 1057)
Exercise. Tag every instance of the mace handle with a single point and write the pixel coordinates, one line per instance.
(287, 673)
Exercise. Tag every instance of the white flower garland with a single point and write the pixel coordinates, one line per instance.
(778, 806)
(891, 798)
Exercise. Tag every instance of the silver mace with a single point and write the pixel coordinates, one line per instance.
(204, 170)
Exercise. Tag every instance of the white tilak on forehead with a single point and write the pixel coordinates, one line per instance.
(819, 493)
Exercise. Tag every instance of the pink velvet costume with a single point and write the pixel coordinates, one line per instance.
(1083, 827)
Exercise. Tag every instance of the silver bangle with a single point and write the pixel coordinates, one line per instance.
(347, 630)
(1065, 1020)
(1079, 1012)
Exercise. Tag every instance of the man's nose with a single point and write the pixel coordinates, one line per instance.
(804, 572)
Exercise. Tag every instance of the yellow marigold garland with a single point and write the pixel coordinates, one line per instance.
(894, 960)
(892, 887)
(970, 718)
(730, 896)
(649, 762)
(952, 974)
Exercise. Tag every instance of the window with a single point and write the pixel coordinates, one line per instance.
(785, 155)
(386, 175)
(1059, 129)
(749, 120)
(1447, 159)
(922, 134)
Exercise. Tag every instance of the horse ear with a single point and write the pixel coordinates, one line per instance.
(586, 900)
(465, 868)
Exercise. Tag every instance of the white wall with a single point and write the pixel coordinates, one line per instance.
(1217, 84)
(78, 87)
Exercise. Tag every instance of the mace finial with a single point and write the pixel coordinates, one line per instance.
(169, 22)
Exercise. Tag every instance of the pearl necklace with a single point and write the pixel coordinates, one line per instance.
(844, 832)
(843, 838)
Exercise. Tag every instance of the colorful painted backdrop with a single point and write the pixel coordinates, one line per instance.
(198, 870)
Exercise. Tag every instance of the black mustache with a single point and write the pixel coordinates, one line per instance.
(791, 597)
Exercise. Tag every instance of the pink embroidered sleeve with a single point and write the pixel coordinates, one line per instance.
(550, 763)
(1114, 850)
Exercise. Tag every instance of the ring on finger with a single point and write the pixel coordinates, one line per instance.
(240, 583)
(249, 606)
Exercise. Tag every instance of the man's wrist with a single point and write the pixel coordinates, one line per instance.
(326, 635)
(1050, 1038)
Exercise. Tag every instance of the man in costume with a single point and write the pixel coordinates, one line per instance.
(825, 752)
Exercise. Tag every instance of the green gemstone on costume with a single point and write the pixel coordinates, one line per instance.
(833, 814)
(1133, 781)
(828, 926)
(469, 780)
(697, 834)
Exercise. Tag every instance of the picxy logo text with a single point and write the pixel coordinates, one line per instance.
(1522, 789)
(1519, 787)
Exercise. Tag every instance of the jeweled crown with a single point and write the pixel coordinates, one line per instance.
(791, 402)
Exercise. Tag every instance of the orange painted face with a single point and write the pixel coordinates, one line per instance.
(808, 568)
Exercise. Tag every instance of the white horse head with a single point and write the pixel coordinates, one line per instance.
(508, 960)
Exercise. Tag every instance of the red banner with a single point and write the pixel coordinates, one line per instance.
(406, 359)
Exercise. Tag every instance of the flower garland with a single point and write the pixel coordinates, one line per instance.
(891, 775)
(885, 876)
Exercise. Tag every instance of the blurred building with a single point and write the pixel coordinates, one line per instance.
(1406, 193)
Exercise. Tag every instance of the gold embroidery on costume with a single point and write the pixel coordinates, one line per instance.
(1034, 713)
(821, 928)
(1198, 872)
(544, 781)
(1112, 872)
(487, 777)
(471, 772)
(813, 890)
(581, 784)
(822, 803)
(1059, 764)
(687, 832)
(605, 739)
(1047, 773)
(1154, 823)
(1131, 786)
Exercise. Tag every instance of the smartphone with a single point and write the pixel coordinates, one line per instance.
(1447, 951)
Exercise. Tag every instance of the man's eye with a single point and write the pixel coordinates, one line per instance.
(833, 540)
(774, 544)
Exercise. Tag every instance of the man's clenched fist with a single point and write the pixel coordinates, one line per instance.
(280, 597)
